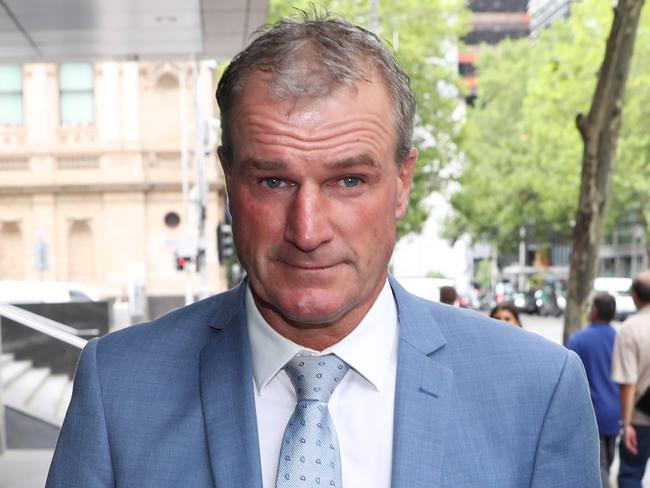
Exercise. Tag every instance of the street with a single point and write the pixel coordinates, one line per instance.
(549, 327)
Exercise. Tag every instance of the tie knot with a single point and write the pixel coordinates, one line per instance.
(316, 377)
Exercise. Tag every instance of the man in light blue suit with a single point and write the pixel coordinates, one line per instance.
(317, 121)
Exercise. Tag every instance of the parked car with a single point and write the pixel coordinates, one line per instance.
(527, 302)
(619, 288)
(45, 292)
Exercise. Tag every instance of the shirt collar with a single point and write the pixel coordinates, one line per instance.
(369, 349)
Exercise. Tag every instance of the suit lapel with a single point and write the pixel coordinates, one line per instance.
(228, 401)
(423, 393)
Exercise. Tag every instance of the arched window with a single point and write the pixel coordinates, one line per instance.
(12, 252)
(167, 82)
(81, 252)
(167, 109)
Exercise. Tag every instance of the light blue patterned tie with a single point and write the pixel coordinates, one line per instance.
(310, 456)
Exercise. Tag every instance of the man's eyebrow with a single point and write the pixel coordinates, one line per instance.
(360, 160)
(262, 164)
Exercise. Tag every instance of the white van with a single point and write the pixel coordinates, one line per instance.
(45, 292)
(619, 288)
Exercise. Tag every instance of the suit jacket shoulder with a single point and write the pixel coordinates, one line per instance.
(482, 403)
(179, 329)
(140, 405)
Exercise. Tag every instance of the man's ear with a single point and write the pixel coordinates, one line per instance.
(405, 182)
(226, 166)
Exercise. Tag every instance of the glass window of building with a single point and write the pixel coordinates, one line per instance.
(76, 92)
(11, 94)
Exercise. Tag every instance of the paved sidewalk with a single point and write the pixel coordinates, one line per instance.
(24, 468)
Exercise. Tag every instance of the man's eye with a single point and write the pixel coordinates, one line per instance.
(350, 181)
(272, 182)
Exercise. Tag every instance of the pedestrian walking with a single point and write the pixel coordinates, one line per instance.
(631, 368)
(595, 346)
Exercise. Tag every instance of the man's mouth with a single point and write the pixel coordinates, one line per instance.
(311, 266)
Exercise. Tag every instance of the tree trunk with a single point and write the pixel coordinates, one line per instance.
(599, 131)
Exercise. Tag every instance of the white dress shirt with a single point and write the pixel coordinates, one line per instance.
(361, 406)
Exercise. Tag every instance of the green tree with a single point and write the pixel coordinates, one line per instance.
(520, 143)
(495, 148)
(599, 129)
(422, 33)
(524, 154)
(522, 150)
(630, 199)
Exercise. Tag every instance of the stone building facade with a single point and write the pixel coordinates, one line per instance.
(90, 174)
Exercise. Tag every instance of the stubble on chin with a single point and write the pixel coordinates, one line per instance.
(310, 323)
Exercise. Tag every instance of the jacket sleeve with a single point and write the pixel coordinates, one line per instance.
(82, 456)
(567, 452)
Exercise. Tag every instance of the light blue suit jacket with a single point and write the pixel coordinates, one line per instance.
(478, 404)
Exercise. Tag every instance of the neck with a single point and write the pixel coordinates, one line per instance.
(316, 335)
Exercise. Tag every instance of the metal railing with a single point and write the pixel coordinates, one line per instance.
(49, 327)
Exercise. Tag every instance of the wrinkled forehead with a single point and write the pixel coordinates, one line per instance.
(346, 123)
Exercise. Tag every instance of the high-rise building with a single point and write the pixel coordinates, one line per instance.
(491, 21)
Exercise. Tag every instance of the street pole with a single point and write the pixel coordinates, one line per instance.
(185, 184)
(3, 424)
(522, 259)
(201, 133)
(494, 269)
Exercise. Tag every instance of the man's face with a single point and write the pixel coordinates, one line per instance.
(315, 194)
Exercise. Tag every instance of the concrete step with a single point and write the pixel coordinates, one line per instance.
(48, 400)
(34, 391)
(13, 370)
(21, 390)
(5, 358)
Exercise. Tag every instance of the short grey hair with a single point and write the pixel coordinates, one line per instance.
(311, 57)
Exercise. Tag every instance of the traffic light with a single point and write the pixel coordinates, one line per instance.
(225, 243)
(182, 261)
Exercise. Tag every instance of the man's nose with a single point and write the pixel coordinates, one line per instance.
(308, 225)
